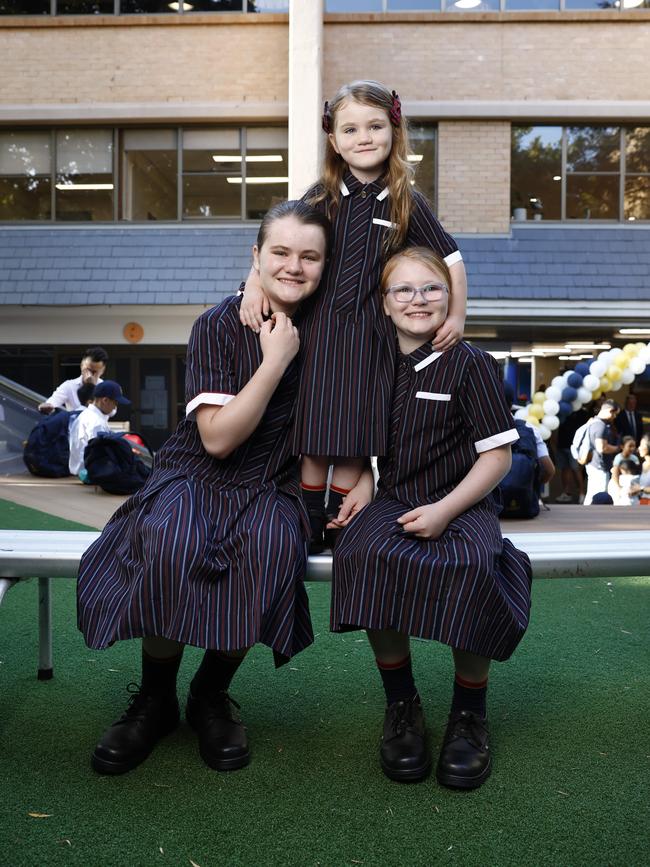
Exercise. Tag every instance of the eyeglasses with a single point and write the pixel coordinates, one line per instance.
(403, 293)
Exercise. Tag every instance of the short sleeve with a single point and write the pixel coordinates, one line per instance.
(426, 231)
(483, 405)
(210, 375)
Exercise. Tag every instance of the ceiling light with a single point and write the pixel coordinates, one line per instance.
(84, 186)
(588, 345)
(557, 177)
(277, 180)
(467, 4)
(527, 360)
(634, 330)
(415, 158)
(257, 158)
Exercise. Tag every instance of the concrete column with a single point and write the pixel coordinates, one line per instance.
(305, 93)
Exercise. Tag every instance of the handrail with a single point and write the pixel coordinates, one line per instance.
(21, 390)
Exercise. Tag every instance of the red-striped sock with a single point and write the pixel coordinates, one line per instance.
(314, 497)
(470, 695)
(397, 678)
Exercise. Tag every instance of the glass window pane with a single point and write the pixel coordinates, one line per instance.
(590, 4)
(84, 174)
(536, 171)
(267, 179)
(25, 176)
(150, 174)
(532, 4)
(473, 5)
(413, 5)
(214, 6)
(593, 148)
(85, 7)
(592, 197)
(134, 7)
(637, 149)
(24, 7)
(268, 5)
(637, 197)
(353, 6)
(212, 197)
(423, 157)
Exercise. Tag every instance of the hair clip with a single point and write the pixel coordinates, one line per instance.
(326, 121)
(395, 112)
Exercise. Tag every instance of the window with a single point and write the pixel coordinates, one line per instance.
(150, 174)
(25, 176)
(581, 173)
(84, 174)
(423, 156)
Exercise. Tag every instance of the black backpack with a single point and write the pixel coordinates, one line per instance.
(519, 491)
(117, 465)
(47, 450)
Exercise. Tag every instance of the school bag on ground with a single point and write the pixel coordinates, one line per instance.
(47, 450)
(519, 491)
(116, 464)
(581, 448)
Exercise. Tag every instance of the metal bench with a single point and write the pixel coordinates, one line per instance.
(49, 554)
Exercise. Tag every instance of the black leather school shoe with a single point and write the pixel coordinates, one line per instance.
(223, 743)
(129, 740)
(403, 751)
(465, 761)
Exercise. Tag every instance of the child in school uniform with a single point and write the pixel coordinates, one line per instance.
(346, 371)
(426, 558)
(212, 551)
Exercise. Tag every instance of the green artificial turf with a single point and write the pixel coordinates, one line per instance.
(568, 713)
(15, 517)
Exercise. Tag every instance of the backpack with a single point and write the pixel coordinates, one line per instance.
(116, 464)
(519, 491)
(47, 449)
(581, 447)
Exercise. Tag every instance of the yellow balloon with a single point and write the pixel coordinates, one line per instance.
(630, 349)
(532, 419)
(540, 397)
(605, 384)
(614, 372)
(537, 410)
(596, 394)
(622, 360)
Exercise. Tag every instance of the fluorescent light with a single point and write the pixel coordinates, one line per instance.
(467, 4)
(634, 330)
(588, 345)
(84, 186)
(527, 360)
(277, 180)
(557, 177)
(629, 4)
(176, 6)
(258, 158)
(415, 158)
(566, 357)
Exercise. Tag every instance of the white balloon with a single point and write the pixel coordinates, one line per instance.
(597, 368)
(604, 357)
(552, 422)
(554, 393)
(551, 407)
(644, 355)
(627, 377)
(576, 404)
(616, 384)
(614, 352)
(637, 365)
(522, 414)
(584, 395)
(544, 431)
(565, 376)
(557, 382)
(591, 382)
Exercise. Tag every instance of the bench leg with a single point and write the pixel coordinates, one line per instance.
(45, 671)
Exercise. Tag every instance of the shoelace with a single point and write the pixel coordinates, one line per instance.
(402, 716)
(469, 727)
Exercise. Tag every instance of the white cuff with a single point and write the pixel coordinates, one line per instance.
(452, 258)
(496, 440)
(208, 397)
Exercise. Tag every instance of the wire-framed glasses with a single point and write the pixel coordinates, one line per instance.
(404, 293)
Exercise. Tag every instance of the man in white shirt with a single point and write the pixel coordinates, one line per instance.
(66, 396)
(92, 420)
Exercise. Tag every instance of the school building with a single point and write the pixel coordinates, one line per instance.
(140, 141)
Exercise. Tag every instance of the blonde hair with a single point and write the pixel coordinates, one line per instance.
(424, 256)
(399, 171)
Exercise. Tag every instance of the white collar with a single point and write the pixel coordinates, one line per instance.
(380, 196)
(427, 361)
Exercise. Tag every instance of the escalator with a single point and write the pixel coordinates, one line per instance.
(18, 415)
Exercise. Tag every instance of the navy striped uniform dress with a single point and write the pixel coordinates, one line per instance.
(470, 588)
(347, 361)
(209, 552)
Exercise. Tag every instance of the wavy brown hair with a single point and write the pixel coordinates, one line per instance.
(399, 171)
(424, 256)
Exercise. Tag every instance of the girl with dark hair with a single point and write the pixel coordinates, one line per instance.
(212, 551)
(346, 372)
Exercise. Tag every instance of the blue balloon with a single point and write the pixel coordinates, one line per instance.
(582, 368)
(565, 407)
(575, 380)
(568, 396)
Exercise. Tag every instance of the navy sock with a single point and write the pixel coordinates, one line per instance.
(470, 696)
(314, 497)
(159, 674)
(215, 673)
(398, 681)
(335, 500)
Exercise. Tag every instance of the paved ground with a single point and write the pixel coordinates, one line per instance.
(68, 498)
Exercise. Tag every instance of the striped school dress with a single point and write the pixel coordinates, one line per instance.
(470, 588)
(347, 358)
(209, 552)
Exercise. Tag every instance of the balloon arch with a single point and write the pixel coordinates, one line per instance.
(609, 371)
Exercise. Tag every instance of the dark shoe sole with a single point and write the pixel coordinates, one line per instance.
(109, 768)
(453, 781)
(408, 775)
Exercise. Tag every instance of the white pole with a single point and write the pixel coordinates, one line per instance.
(305, 93)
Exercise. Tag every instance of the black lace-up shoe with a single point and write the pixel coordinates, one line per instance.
(223, 743)
(465, 761)
(128, 742)
(403, 752)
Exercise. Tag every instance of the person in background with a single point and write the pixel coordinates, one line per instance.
(630, 422)
(627, 490)
(602, 439)
(75, 393)
(546, 465)
(92, 420)
(573, 479)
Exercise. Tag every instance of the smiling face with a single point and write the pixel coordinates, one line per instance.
(363, 138)
(290, 262)
(418, 320)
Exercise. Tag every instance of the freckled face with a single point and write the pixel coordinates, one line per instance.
(290, 262)
(363, 138)
(417, 321)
